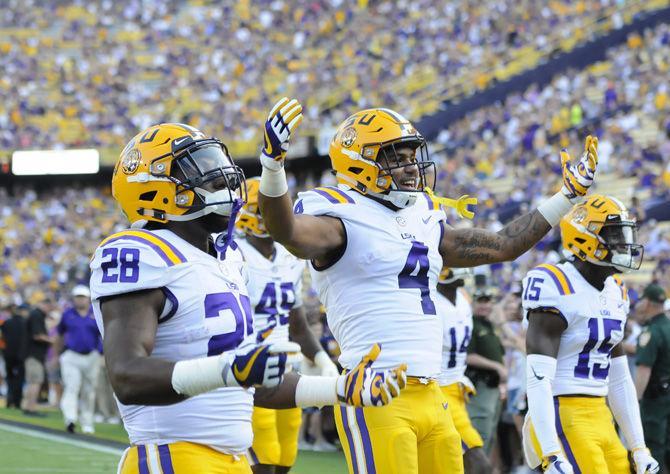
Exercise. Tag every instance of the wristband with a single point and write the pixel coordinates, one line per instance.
(196, 376)
(273, 182)
(315, 391)
(554, 208)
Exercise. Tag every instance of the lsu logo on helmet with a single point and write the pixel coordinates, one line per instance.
(364, 151)
(161, 172)
(601, 232)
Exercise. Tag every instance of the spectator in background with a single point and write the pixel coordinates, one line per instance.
(80, 360)
(14, 334)
(36, 353)
(652, 378)
(485, 369)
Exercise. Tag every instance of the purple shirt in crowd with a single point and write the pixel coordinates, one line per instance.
(80, 333)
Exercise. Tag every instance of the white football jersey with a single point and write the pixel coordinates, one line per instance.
(381, 289)
(207, 312)
(595, 319)
(457, 332)
(275, 288)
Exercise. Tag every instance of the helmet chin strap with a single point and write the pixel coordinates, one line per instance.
(400, 199)
(227, 239)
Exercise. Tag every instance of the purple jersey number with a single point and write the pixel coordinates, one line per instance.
(599, 372)
(409, 277)
(455, 347)
(217, 302)
(129, 260)
(532, 292)
(267, 304)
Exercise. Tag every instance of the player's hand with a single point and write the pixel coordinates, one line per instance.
(556, 464)
(326, 366)
(578, 178)
(363, 386)
(644, 463)
(468, 388)
(284, 117)
(262, 366)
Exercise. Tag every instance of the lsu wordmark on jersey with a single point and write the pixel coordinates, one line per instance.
(595, 324)
(207, 312)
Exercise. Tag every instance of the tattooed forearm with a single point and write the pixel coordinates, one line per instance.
(471, 247)
(522, 233)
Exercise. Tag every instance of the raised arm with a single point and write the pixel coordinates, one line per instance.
(309, 237)
(472, 247)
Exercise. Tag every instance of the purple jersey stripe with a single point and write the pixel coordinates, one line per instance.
(142, 459)
(350, 439)
(155, 247)
(553, 277)
(431, 204)
(254, 457)
(166, 460)
(172, 247)
(327, 196)
(341, 193)
(367, 445)
(175, 305)
(564, 439)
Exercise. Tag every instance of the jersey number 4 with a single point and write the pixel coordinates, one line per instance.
(415, 275)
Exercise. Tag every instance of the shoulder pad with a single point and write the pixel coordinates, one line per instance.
(132, 260)
(320, 201)
(544, 286)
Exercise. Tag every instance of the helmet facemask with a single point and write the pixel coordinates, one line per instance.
(200, 163)
(389, 160)
(618, 244)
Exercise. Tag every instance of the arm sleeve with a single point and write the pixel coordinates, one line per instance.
(622, 399)
(540, 372)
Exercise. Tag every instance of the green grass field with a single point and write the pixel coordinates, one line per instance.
(24, 452)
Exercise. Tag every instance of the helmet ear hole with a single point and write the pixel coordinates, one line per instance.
(148, 196)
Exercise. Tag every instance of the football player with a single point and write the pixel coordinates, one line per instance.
(377, 243)
(176, 318)
(275, 290)
(453, 306)
(577, 372)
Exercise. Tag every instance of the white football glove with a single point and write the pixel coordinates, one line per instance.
(284, 117)
(556, 464)
(578, 178)
(326, 366)
(644, 463)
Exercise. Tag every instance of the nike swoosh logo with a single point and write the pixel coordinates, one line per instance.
(557, 465)
(425, 221)
(445, 405)
(247, 370)
(536, 376)
(179, 141)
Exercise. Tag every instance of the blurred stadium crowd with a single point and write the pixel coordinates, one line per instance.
(95, 72)
(60, 91)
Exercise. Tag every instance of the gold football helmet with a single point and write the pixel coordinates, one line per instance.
(149, 187)
(249, 219)
(363, 153)
(601, 232)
